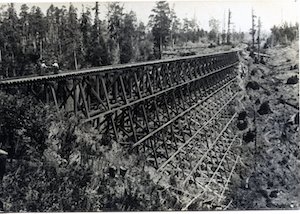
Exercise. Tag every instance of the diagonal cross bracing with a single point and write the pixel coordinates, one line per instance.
(128, 102)
(178, 114)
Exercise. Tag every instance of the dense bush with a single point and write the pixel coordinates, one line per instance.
(65, 166)
(23, 125)
(145, 51)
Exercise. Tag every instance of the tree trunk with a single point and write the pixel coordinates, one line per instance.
(59, 47)
(13, 65)
(75, 59)
(172, 40)
(41, 48)
(160, 47)
(34, 45)
(23, 44)
(118, 53)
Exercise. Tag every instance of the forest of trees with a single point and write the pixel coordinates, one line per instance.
(283, 34)
(81, 40)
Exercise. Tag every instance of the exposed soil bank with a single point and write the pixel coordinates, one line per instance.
(269, 173)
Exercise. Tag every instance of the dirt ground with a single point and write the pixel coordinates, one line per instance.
(195, 49)
(269, 175)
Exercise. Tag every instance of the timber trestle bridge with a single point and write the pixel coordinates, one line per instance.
(177, 113)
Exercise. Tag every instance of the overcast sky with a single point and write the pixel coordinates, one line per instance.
(272, 12)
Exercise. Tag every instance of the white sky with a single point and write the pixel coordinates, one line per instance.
(271, 11)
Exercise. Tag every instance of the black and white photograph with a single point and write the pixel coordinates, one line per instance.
(149, 106)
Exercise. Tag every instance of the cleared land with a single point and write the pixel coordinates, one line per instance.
(270, 171)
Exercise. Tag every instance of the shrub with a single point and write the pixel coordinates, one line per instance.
(23, 125)
(145, 49)
(66, 166)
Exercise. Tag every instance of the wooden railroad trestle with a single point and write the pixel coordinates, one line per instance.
(178, 114)
(138, 104)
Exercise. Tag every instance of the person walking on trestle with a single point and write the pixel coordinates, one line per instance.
(55, 67)
(43, 68)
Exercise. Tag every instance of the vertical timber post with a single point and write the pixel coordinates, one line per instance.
(70, 101)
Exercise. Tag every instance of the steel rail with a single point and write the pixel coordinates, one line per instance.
(196, 133)
(153, 95)
(101, 70)
(180, 115)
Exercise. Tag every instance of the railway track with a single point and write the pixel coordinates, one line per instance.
(17, 81)
(126, 102)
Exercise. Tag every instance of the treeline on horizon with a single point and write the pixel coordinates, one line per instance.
(82, 40)
(283, 34)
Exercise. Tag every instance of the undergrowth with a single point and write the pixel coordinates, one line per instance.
(56, 164)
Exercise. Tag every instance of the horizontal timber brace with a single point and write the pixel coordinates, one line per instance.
(178, 114)
(140, 104)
